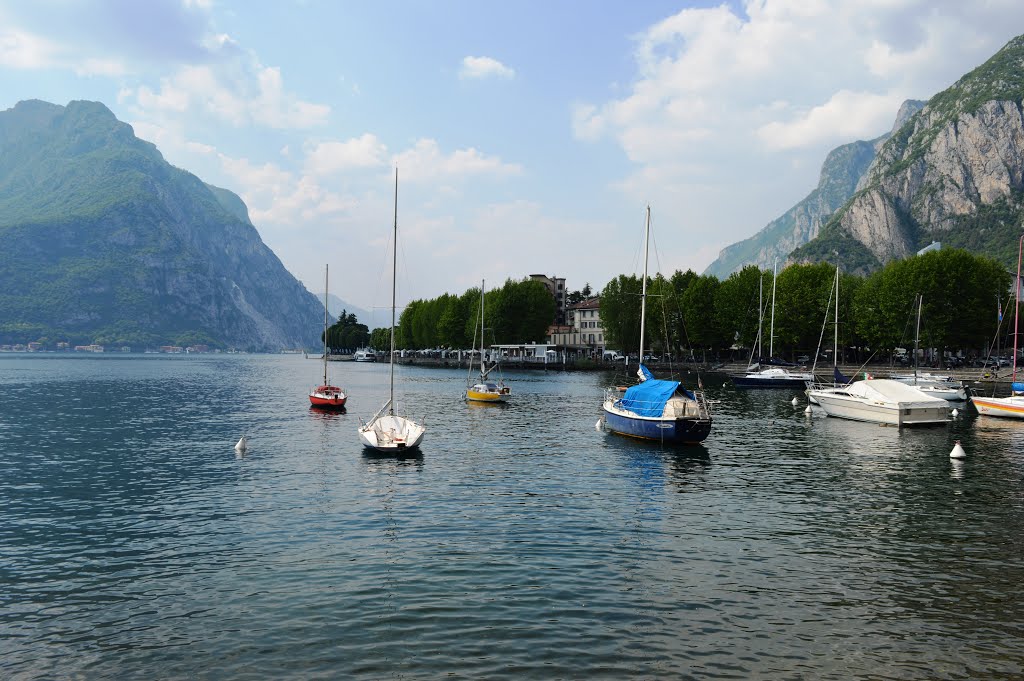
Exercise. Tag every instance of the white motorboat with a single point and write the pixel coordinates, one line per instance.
(881, 400)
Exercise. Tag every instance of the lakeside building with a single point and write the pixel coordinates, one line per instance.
(583, 333)
(556, 287)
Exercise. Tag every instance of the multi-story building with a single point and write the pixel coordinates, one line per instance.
(583, 332)
(556, 286)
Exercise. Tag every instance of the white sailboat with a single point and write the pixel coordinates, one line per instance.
(387, 431)
(770, 376)
(1013, 405)
(325, 395)
(486, 390)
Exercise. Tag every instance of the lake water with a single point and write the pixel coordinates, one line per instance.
(522, 543)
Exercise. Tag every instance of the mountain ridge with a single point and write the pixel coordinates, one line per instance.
(102, 240)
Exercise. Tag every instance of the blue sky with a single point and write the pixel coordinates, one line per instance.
(529, 136)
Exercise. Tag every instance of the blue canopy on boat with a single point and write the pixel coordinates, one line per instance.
(649, 398)
(839, 377)
(644, 373)
(1017, 388)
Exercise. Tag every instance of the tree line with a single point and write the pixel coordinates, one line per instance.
(516, 312)
(877, 313)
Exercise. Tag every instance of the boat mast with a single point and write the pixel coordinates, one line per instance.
(483, 374)
(917, 333)
(1016, 315)
(771, 337)
(394, 278)
(326, 271)
(835, 338)
(643, 288)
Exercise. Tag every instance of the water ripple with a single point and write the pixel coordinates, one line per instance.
(135, 543)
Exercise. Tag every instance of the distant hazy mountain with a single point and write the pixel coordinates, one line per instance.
(954, 172)
(101, 240)
(844, 168)
(373, 319)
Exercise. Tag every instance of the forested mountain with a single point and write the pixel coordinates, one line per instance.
(954, 172)
(844, 168)
(101, 240)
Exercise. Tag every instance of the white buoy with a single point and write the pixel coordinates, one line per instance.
(725, 384)
(241, 444)
(958, 452)
(955, 412)
(795, 402)
(597, 426)
(808, 410)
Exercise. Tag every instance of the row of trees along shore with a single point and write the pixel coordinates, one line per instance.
(517, 312)
(877, 313)
(701, 313)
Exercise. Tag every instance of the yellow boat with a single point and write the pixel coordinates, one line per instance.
(486, 390)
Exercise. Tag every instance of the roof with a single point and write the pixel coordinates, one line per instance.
(588, 304)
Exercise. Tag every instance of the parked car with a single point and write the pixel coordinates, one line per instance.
(803, 359)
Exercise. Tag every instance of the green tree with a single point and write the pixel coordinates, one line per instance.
(736, 307)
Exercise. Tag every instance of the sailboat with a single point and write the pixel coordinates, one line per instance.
(930, 384)
(386, 431)
(1012, 406)
(771, 376)
(325, 395)
(656, 409)
(485, 390)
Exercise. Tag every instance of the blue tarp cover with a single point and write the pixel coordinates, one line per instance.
(839, 378)
(1017, 388)
(649, 398)
(644, 373)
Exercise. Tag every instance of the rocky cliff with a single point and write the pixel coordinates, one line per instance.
(844, 170)
(101, 240)
(954, 172)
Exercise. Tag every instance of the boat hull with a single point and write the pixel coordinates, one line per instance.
(667, 430)
(327, 397)
(485, 397)
(478, 393)
(391, 434)
(798, 383)
(1004, 407)
(856, 410)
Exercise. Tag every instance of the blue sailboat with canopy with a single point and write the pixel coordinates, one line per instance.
(656, 409)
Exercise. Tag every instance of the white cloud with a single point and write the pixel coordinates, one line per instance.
(240, 93)
(747, 103)
(22, 50)
(279, 197)
(847, 115)
(484, 67)
(365, 151)
(425, 160)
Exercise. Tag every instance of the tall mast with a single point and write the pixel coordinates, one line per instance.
(917, 333)
(394, 279)
(771, 337)
(835, 338)
(643, 289)
(760, 313)
(482, 374)
(326, 271)
(1016, 315)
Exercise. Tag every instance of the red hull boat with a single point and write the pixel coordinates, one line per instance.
(325, 395)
